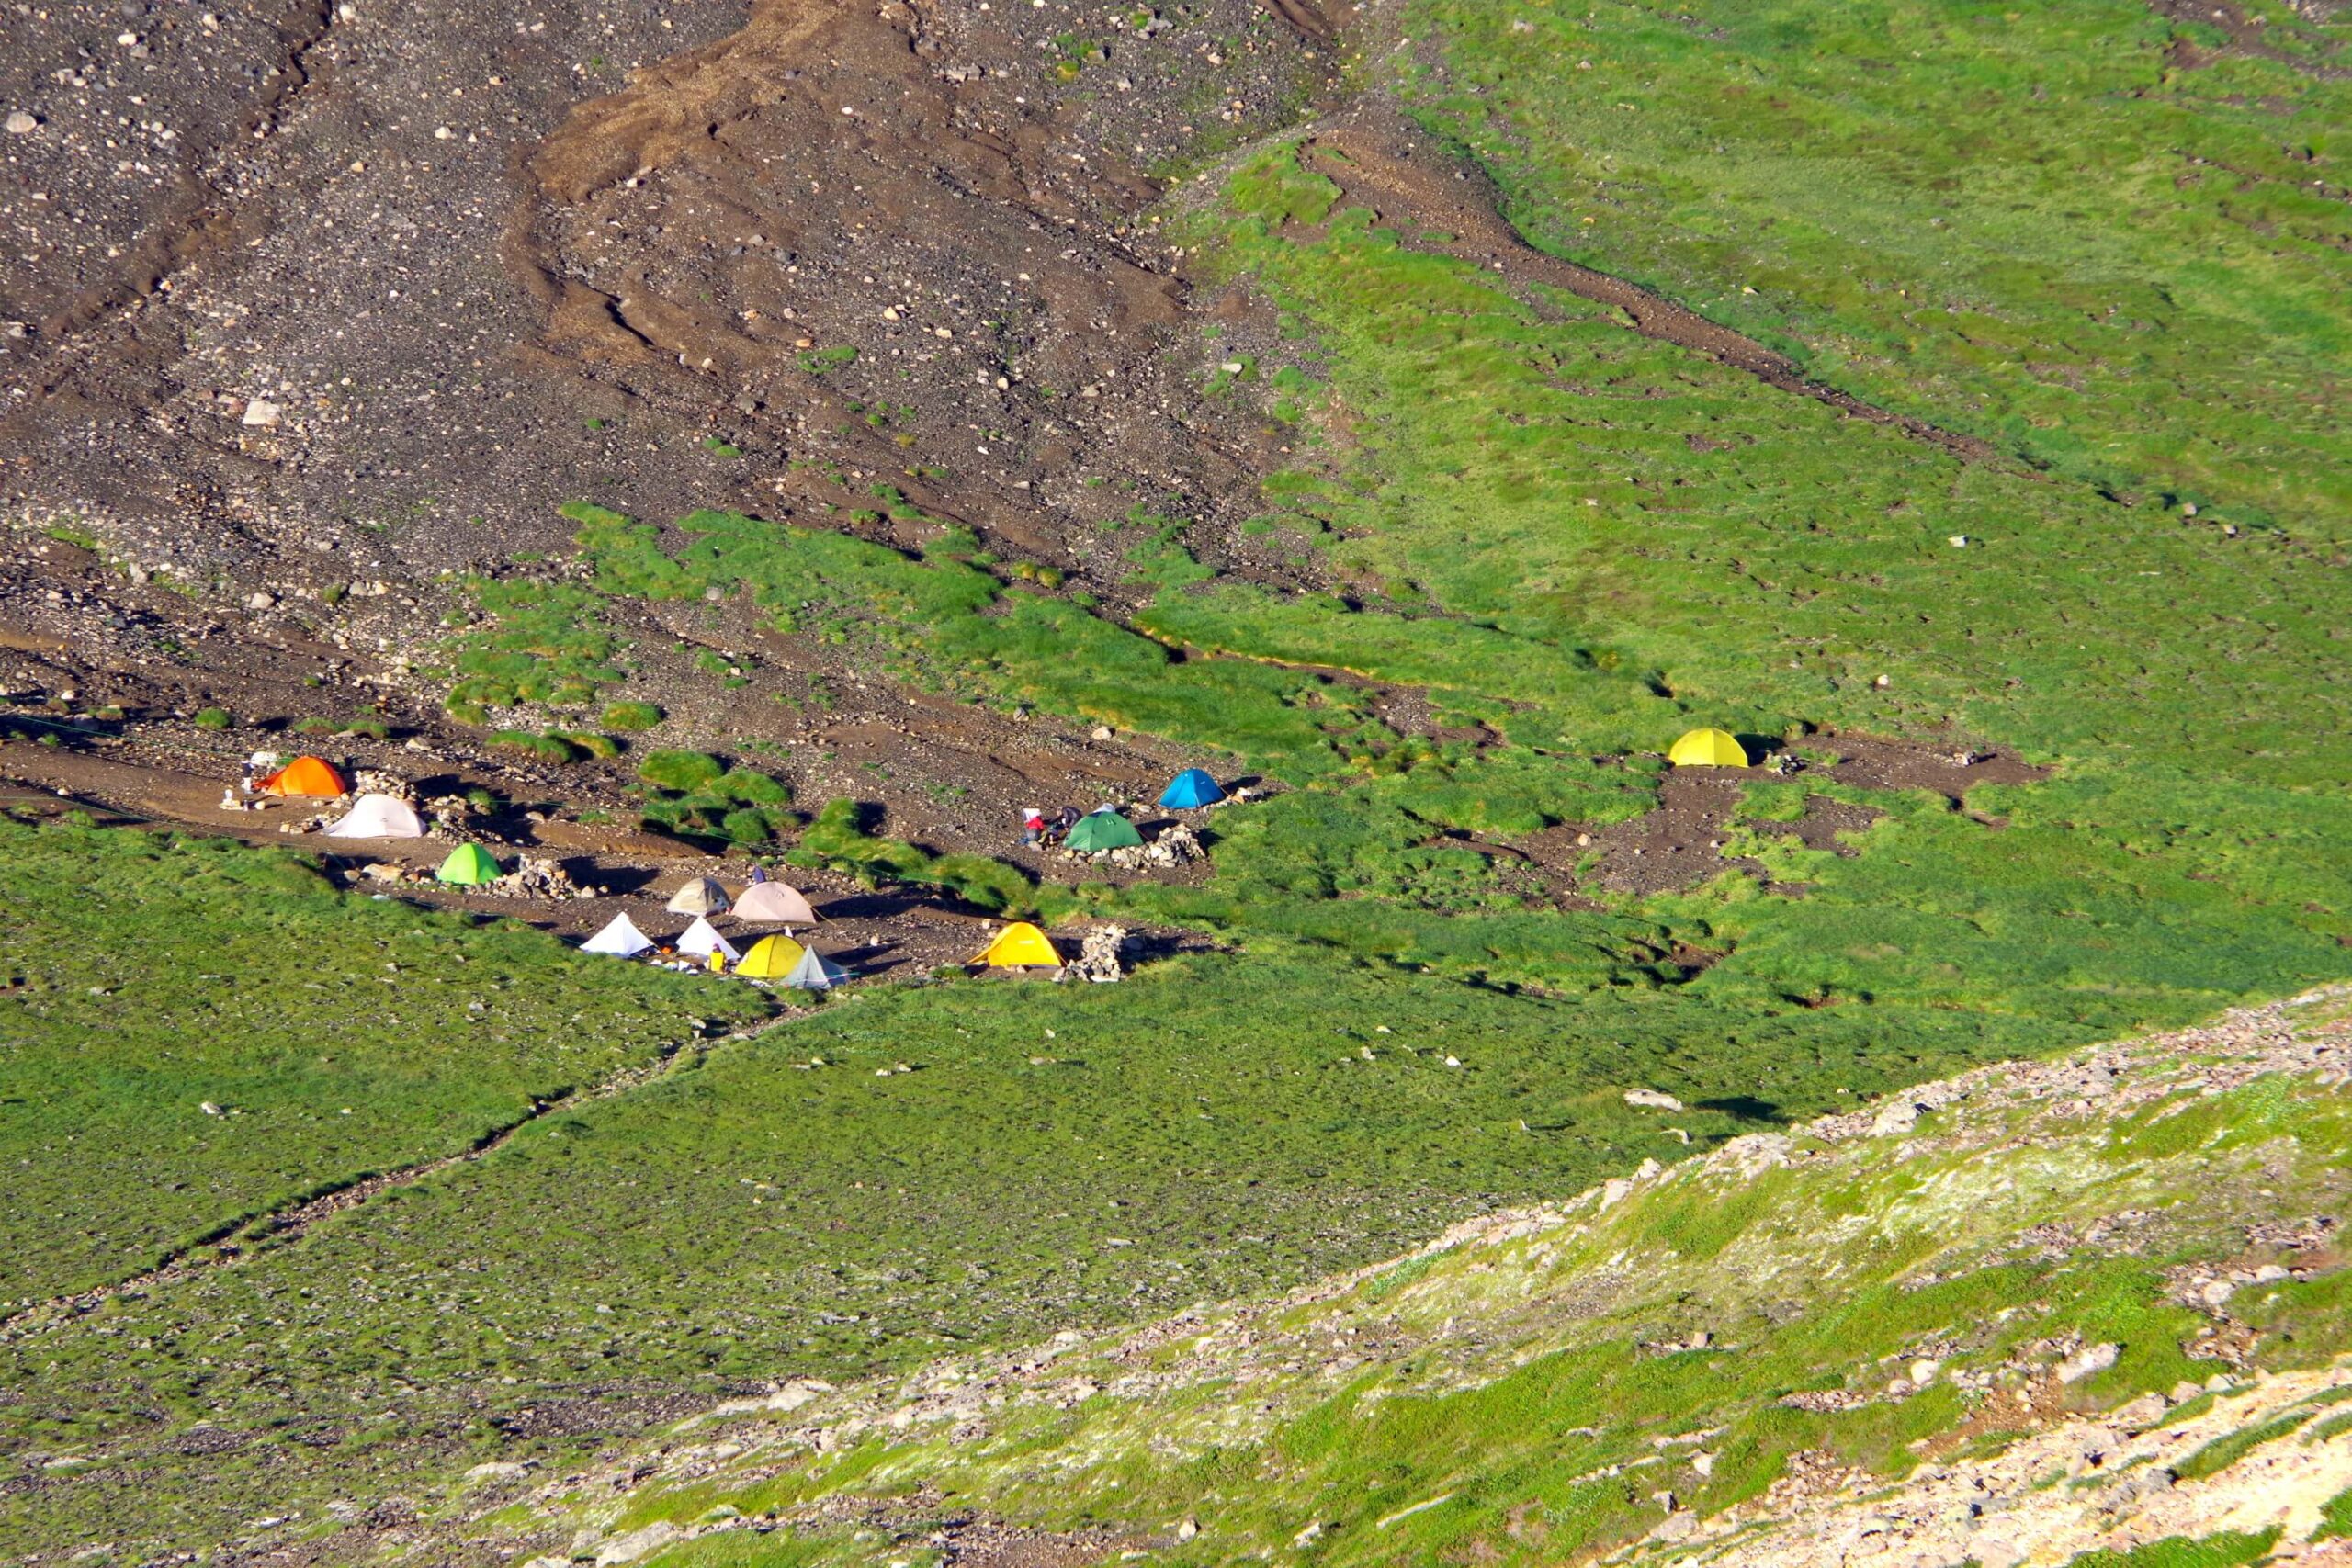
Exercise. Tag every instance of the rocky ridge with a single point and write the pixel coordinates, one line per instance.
(2003, 1164)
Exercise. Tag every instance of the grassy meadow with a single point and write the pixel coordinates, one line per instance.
(1532, 1394)
(2078, 233)
(2092, 233)
(145, 977)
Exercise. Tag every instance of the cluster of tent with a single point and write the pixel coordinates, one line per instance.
(775, 957)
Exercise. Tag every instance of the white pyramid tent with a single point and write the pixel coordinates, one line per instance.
(620, 938)
(773, 904)
(379, 817)
(700, 896)
(815, 974)
(702, 940)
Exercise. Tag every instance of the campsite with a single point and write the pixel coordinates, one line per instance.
(999, 786)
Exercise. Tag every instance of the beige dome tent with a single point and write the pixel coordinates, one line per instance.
(379, 817)
(700, 896)
(773, 904)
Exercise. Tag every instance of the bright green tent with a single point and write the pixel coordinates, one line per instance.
(468, 866)
(1102, 829)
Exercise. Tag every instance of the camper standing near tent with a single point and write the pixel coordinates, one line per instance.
(1064, 820)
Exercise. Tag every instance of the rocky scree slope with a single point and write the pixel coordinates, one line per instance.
(2009, 1317)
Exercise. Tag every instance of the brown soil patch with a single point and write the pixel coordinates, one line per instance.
(1679, 843)
(1381, 162)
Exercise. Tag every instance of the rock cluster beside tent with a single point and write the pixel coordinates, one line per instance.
(1175, 845)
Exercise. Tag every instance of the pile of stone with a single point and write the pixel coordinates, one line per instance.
(369, 781)
(447, 817)
(1176, 845)
(533, 878)
(1098, 956)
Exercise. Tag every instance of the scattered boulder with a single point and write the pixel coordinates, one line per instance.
(263, 412)
(1656, 1099)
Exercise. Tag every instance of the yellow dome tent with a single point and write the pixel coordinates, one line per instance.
(770, 958)
(1019, 946)
(1708, 748)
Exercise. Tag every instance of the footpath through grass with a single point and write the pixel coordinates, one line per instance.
(1217, 1126)
(1538, 1393)
(2099, 236)
(145, 977)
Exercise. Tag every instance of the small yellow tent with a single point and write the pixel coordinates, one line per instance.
(1708, 748)
(1018, 945)
(771, 958)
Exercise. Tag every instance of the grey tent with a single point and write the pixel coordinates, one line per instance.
(815, 973)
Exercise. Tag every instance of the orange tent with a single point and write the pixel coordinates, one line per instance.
(306, 775)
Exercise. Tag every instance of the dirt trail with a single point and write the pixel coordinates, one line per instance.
(1380, 162)
(227, 1243)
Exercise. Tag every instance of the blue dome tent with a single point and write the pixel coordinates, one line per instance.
(1191, 788)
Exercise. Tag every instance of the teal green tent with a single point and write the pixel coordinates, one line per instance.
(468, 866)
(1103, 830)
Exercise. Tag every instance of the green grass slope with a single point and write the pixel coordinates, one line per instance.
(144, 977)
(1216, 1125)
(2107, 240)
(1970, 1275)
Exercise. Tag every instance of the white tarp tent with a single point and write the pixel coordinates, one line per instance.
(702, 939)
(620, 938)
(379, 817)
(815, 974)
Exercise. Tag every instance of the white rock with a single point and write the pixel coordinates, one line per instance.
(22, 124)
(1680, 1525)
(2083, 1363)
(1651, 1097)
(1101, 732)
(261, 410)
(1899, 1117)
(1187, 1528)
(260, 601)
(497, 1470)
(636, 1544)
(1923, 1373)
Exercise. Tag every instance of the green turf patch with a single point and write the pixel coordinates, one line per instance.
(143, 979)
(2043, 225)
